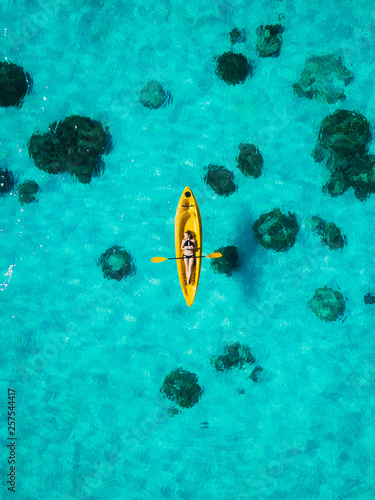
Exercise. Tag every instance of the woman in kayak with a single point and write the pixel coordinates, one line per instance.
(189, 246)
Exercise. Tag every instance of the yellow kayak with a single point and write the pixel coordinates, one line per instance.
(188, 218)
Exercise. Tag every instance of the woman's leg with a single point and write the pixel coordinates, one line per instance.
(186, 260)
(188, 270)
(190, 264)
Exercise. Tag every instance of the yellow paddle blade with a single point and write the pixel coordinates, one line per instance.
(158, 259)
(215, 255)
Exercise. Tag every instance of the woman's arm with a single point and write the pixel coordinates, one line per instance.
(182, 244)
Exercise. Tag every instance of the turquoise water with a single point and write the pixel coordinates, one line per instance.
(87, 356)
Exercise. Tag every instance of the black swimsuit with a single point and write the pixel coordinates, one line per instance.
(187, 244)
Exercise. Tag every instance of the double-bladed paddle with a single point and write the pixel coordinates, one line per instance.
(215, 255)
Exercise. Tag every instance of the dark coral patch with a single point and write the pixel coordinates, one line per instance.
(275, 230)
(153, 95)
(324, 78)
(237, 36)
(42, 149)
(74, 145)
(233, 68)
(269, 40)
(228, 262)
(28, 192)
(7, 181)
(181, 387)
(235, 355)
(332, 237)
(14, 84)
(256, 374)
(327, 304)
(329, 233)
(172, 412)
(345, 133)
(220, 180)
(80, 143)
(117, 264)
(369, 298)
(342, 142)
(250, 160)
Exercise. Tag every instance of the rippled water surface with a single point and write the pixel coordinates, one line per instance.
(87, 356)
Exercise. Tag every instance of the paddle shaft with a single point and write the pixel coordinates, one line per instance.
(215, 255)
(196, 257)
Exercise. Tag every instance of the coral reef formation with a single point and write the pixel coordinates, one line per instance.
(327, 304)
(181, 387)
(117, 264)
(256, 374)
(369, 298)
(74, 145)
(344, 133)
(220, 180)
(153, 95)
(323, 78)
(275, 230)
(7, 181)
(28, 192)
(342, 142)
(228, 262)
(14, 84)
(250, 160)
(269, 42)
(235, 355)
(172, 412)
(237, 36)
(233, 68)
(329, 233)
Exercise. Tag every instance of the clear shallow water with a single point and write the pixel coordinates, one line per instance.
(87, 357)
